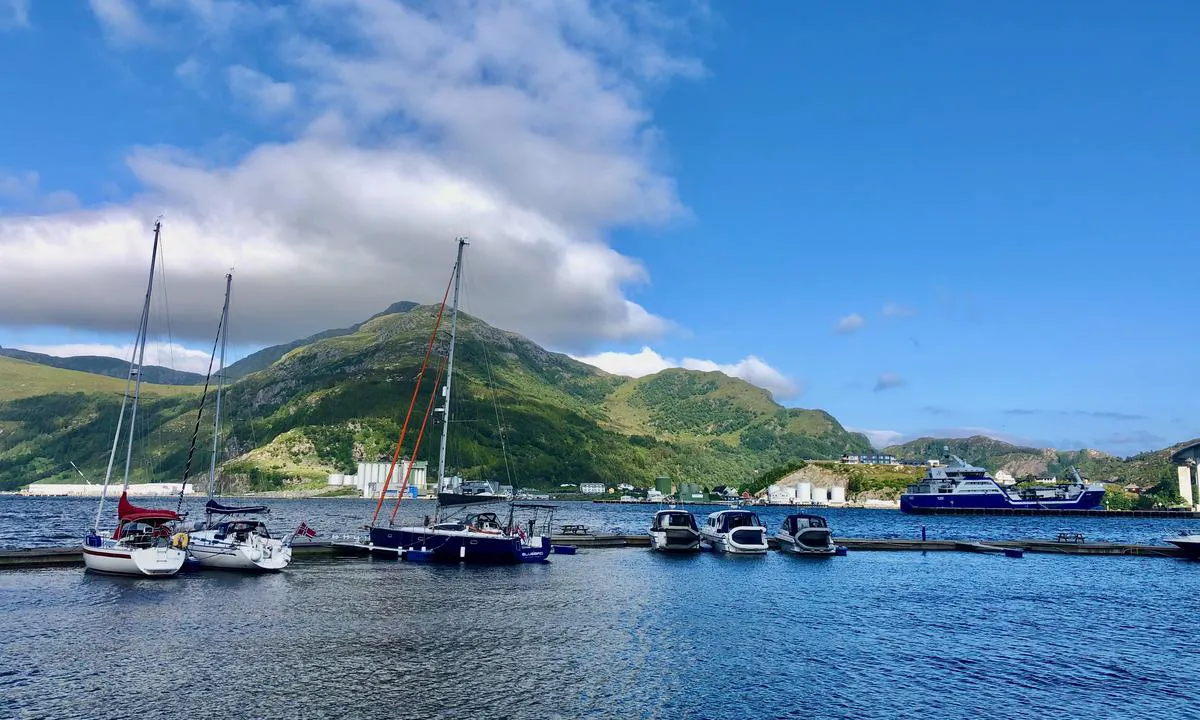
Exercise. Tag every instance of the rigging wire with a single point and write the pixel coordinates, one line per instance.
(200, 411)
(416, 389)
(487, 360)
(420, 434)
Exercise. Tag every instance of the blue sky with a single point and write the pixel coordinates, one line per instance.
(935, 218)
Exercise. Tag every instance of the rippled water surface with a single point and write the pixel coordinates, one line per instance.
(612, 633)
(41, 522)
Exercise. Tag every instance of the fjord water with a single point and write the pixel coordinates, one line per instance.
(59, 521)
(613, 633)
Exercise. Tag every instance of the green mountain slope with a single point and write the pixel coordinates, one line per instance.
(325, 404)
(112, 367)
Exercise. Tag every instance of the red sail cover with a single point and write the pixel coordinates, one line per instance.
(127, 511)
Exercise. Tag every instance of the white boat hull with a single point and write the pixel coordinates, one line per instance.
(116, 559)
(256, 554)
(674, 541)
(739, 541)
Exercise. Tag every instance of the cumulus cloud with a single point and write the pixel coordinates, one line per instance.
(120, 20)
(266, 96)
(647, 362)
(172, 355)
(880, 439)
(851, 323)
(892, 309)
(521, 125)
(887, 381)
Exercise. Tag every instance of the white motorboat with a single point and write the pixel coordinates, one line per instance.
(674, 531)
(803, 534)
(144, 541)
(738, 532)
(1188, 543)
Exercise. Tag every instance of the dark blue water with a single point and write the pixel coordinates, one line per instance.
(41, 522)
(613, 633)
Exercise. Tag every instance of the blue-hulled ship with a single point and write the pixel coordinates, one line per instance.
(961, 486)
(453, 534)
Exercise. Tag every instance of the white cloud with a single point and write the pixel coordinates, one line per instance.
(851, 323)
(267, 96)
(14, 14)
(22, 191)
(172, 355)
(880, 439)
(887, 381)
(521, 125)
(189, 71)
(647, 362)
(120, 20)
(892, 309)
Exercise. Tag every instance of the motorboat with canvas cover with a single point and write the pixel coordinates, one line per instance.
(674, 531)
(738, 532)
(803, 534)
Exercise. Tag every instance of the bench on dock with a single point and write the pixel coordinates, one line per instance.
(1070, 537)
(574, 530)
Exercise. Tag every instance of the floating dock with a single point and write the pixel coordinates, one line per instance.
(35, 558)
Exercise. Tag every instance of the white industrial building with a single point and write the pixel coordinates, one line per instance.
(591, 488)
(93, 489)
(371, 476)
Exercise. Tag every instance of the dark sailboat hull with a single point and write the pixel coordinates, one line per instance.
(447, 499)
(459, 547)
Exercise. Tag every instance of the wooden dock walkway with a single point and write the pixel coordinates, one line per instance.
(35, 558)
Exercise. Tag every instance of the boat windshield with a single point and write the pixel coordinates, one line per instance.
(736, 520)
(676, 520)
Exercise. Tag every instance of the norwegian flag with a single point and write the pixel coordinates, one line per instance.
(305, 530)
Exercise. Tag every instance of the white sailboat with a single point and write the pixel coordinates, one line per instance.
(144, 541)
(232, 538)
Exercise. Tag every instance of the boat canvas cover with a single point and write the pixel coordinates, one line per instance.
(215, 508)
(127, 511)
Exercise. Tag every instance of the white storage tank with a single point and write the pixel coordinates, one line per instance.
(804, 492)
(837, 495)
(820, 495)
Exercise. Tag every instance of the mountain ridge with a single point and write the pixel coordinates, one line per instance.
(325, 402)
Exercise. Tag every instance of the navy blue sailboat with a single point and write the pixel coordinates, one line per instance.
(454, 535)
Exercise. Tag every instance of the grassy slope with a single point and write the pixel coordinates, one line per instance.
(50, 417)
(20, 379)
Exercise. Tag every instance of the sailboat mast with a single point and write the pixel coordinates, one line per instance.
(141, 353)
(212, 465)
(112, 455)
(462, 243)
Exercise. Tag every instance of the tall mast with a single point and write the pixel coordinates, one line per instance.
(112, 455)
(462, 243)
(141, 354)
(212, 465)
